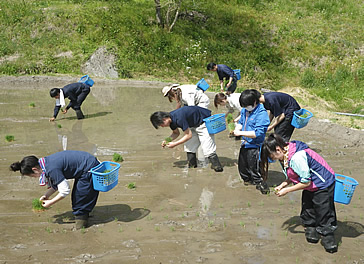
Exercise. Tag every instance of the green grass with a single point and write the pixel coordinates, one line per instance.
(314, 44)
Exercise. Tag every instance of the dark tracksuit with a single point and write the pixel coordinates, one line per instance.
(71, 164)
(226, 72)
(76, 93)
(278, 103)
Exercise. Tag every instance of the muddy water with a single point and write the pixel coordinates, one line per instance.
(175, 214)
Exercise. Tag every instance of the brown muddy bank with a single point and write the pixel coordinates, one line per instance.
(175, 214)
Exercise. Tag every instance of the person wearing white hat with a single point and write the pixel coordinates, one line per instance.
(186, 94)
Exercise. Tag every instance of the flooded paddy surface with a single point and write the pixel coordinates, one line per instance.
(175, 214)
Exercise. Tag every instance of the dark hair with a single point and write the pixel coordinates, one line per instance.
(157, 118)
(218, 99)
(269, 146)
(249, 97)
(26, 165)
(54, 92)
(210, 66)
(175, 93)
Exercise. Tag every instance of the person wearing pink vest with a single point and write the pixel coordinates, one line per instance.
(307, 171)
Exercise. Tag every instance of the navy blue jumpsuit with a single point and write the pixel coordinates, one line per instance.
(71, 164)
(76, 93)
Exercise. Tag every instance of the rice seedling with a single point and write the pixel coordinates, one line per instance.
(211, 223)
(117, 157)
(229, 118)
(59, 125)
(37, 205)
(9, 138)
(242, 224)
(121, 230)
(157, 228)
(131, 185)
(32, 104)
(249, 204)
(173, 228)
(138, 229)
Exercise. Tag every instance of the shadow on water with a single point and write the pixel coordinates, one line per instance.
(88, 115)
(344, 229)
(106, 214)
(275, 178)
(225, 162)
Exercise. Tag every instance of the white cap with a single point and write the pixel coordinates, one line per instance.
(166, 89)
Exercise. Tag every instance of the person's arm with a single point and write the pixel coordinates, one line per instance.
(229, 83)
(237, 118)
(293, 188)
(276, 121)
(222, 86)
(63, 191)
(187, 136)
(55, 112)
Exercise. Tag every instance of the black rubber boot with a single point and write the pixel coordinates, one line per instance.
(311, 235)
(81, 221)
(216, 165)
(329, 243)
(263, 187)
(79, 114)
(192, 160)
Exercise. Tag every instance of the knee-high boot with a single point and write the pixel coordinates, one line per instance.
(79, 114)
(216, 165)
(192, 160)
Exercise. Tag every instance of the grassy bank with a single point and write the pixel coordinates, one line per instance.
(318, 45)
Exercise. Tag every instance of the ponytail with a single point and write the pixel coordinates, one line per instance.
(26, 165)
(269, 146)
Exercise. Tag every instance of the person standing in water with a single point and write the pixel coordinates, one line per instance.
(54, 170)
(75, 92)
(309, 172)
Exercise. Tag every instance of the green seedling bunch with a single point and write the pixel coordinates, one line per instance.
(9, 138)
(32, 104)
(131, 185)
(229, 118)
(168, 139)
(37, 205)
(117, 157)
(231, 126)
(59, 125)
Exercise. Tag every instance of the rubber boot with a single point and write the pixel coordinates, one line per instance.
(311, 235)
(263, 187)
(329, 243)
(81, 221)
(216, 165)
(192, 160)
(79, 114)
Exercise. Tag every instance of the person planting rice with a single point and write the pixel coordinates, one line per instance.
(232, 103)
(186, 95)
(54, 170)
(224, 72)
(75, 92)
(190, 120)
(281, 107)
(252, 126)
(309, 172)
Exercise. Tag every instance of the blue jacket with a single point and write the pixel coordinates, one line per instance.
(257, 121)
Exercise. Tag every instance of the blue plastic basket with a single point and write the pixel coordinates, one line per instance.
(344, 188)
(215, 123)
(86, 80)
(105, 181)
(298, 121)
(203, 85)
(237, 73)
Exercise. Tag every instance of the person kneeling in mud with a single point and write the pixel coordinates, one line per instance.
(75, 92)
(190, 120)
(309, 172)
(54, 170)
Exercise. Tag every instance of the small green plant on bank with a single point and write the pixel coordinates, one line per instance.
(117, 157)
(9, 138)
